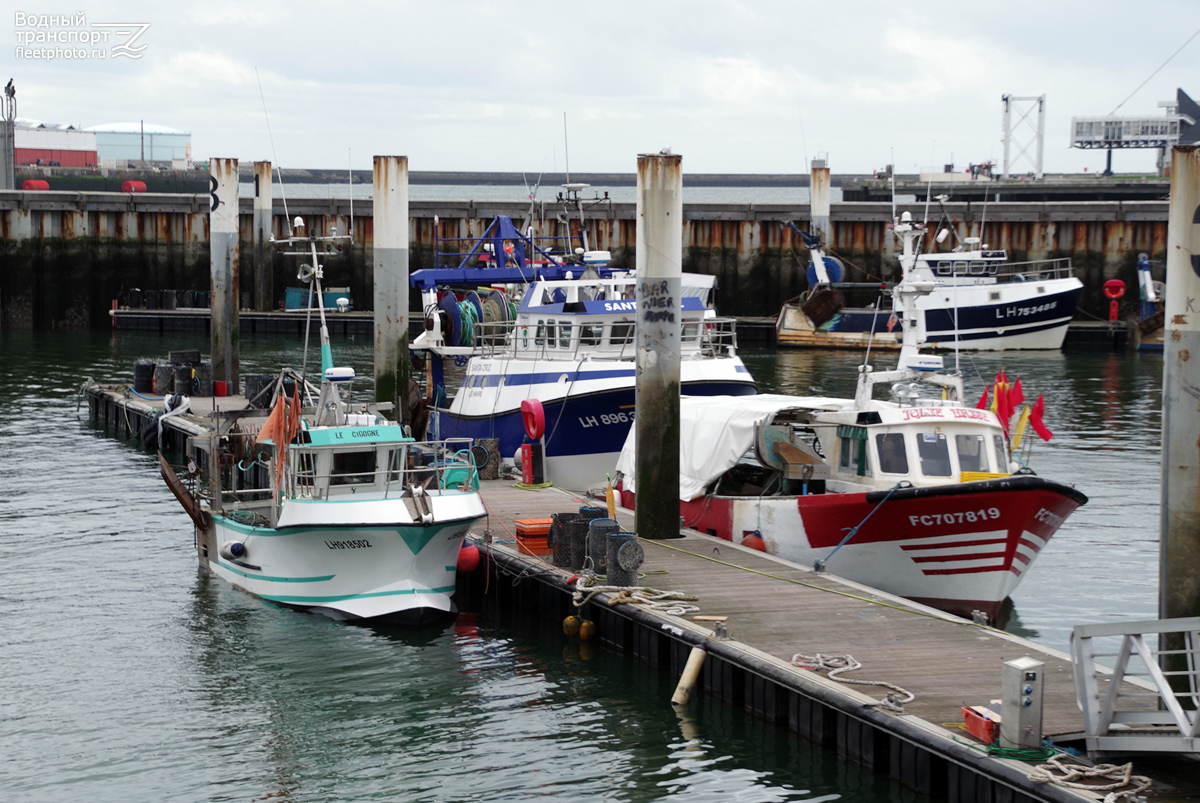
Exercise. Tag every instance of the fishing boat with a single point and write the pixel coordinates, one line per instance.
(520, 321)
(326, 505)
(920, 494)
(980, 301)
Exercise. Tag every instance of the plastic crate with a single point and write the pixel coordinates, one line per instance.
(982, 723)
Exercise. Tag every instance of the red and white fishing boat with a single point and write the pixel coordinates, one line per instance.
(918, 495)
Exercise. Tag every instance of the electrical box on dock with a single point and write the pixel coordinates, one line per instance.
(1021, 703)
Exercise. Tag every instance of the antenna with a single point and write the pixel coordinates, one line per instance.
(287, 218)
(566, 150)
(350, 174)
(893, 178)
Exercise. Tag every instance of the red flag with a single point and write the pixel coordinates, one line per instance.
(1016, 396)
(891, 323)
(1003, 407)
(1035, 420)
(983, 400)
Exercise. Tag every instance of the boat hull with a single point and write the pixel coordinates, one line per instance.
(586, 425)
(960, 548)
(1032, 316)
(404, 572)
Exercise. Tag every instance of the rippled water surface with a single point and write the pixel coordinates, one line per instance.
(130, 676)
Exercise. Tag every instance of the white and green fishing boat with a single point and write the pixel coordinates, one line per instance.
(328, 506)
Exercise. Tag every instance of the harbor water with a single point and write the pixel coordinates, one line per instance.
(131, 676)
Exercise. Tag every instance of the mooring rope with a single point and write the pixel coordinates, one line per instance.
(671, 603)
(1071, 777)
(835, 665)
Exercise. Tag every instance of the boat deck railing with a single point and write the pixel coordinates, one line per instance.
(431, 465)
(705, 337)
(1148, 700)
(982, 272)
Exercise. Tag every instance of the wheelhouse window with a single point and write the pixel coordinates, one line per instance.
(934, 453)
(1001, 453)
(353, 468)
(852, 451)
(564, 335)
(622, 334)
(691, 331)
(590, 334)
(892, 457)
(972, 452)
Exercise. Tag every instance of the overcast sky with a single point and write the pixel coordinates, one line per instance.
(735, 86)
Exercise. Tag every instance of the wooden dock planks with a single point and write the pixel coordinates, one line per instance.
(781, 609)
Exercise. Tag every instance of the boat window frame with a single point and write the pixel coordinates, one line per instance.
(885, 438)
(1000, 453)
(626, 326)
(355, 477)
(939, 438)
(981, 458)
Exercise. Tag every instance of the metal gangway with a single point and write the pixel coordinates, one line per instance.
(1149, 700)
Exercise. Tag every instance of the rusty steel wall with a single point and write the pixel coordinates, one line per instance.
(99, 245)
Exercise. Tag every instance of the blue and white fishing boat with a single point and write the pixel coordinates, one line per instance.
(558, 328)
(328, 506)
(980, 302)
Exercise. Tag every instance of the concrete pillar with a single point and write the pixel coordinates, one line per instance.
(1179, 571)
(264, 285)
(819, 202)
(659, 280)
(223, 253)
(390, 196)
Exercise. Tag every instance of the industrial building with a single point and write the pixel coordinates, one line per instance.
(138, 143)
(53, 145)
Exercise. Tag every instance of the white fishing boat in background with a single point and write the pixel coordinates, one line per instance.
(328, 506)
(920, 495)
(980, 301)
(556, 326)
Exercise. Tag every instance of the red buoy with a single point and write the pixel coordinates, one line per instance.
(754, 541)
(133, 186)
(35, 184)
(468, 557)
(534, 417)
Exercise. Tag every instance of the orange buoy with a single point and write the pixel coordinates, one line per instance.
(468, 557)
(587, 630)
(571, 626)
(754, 541)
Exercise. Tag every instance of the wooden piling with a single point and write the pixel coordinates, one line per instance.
(659, 274)
(263, 216)
(223, 256)
(391, 282)
(1179, 573)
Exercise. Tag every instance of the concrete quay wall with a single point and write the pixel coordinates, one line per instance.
(65, 256)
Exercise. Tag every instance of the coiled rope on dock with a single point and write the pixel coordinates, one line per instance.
(835, 665)
(671, 603)
(1077, 776)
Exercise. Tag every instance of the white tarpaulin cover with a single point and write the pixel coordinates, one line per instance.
(714, 433)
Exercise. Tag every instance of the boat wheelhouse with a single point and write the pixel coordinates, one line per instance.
(560, 329)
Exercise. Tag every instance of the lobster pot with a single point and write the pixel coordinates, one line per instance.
(616, 575)
(164, 379)
(597, 543)
(490, 470)
(204, 379)
(252, 386)
(168, 299)
(577, 530)
(143, 376)
(560, 543)
(184, 385)
(593, 512)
